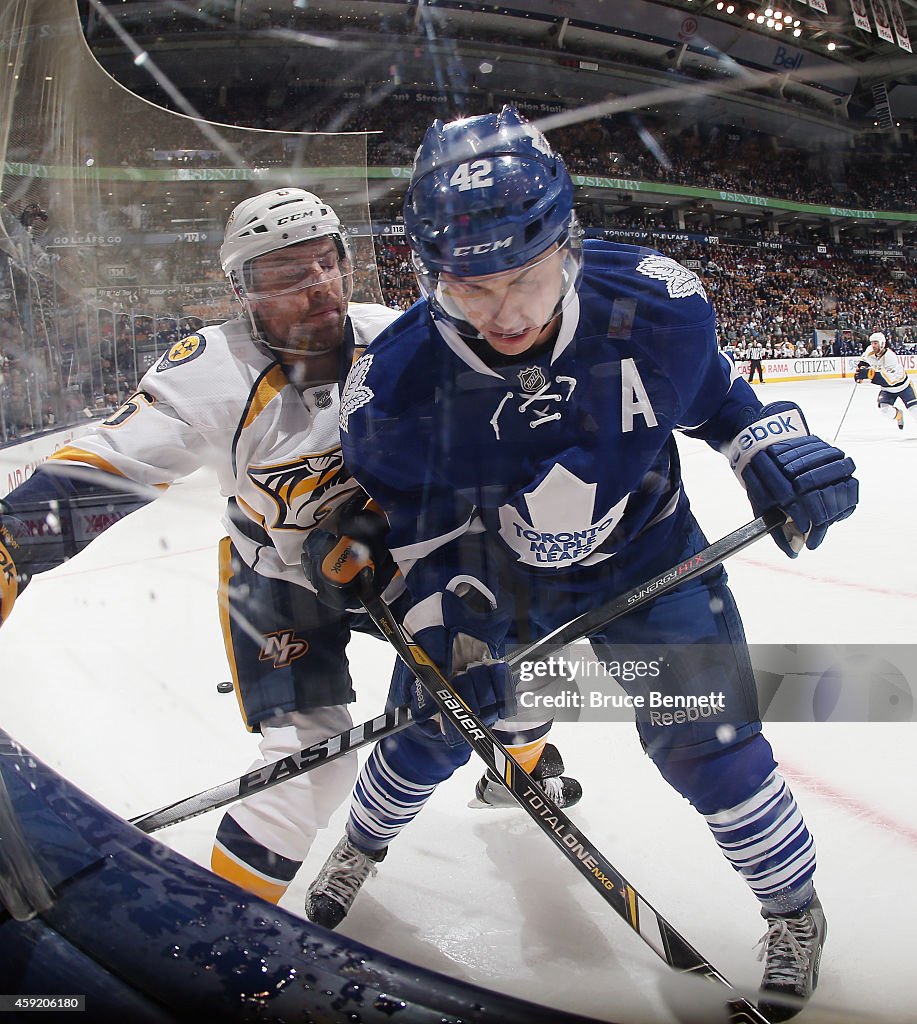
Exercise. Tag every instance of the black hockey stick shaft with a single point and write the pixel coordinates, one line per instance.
(314, 756)
(846, 410)
(375, 729)
(588, 860)
(592, 621)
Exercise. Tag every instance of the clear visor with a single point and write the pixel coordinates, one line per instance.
(512, 301)
(267, 278)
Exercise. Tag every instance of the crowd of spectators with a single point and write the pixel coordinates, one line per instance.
(770, 298)
(650, 147)
(793, 302)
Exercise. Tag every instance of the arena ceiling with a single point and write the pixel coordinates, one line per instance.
(260, 41)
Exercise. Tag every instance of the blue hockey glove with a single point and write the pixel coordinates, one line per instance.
(781, 465)
(350, 540)
(486, 688)
(462, 648)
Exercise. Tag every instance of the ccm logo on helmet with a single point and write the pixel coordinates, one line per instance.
(295, 216)
(476, 250)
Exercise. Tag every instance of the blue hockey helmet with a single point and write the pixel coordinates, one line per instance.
(488, 195)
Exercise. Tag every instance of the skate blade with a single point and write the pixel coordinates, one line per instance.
(482, 805)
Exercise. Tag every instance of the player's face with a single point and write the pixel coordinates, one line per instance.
(513, 311)
(299, 295)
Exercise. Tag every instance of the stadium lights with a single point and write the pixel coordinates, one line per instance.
(832, 46)
(751, 15)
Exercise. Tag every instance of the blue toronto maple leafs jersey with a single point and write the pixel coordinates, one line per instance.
(566, 457)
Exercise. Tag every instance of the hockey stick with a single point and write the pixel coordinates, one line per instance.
(322, 752)
(705, 559)
(601, 874)
(394, 721)
(846, 410)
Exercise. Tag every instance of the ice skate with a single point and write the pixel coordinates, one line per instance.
(548, 773)
(791, 950)
(332, 893)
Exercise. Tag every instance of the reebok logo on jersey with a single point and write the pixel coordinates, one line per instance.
(182, 352)
(282, 647)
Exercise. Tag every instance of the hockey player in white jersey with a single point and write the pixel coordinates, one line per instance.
(516, 427)
(881, 366)
(255, 398)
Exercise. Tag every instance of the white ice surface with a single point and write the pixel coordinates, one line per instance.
(110, 671)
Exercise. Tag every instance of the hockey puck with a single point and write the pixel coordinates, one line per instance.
(224, 687)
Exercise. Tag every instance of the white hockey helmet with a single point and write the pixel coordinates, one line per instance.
(878, 337)
(274, 220)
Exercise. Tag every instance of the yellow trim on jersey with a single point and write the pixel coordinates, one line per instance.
(70, 453)
(79, 456)
(269, 387)
(256, 517)
(9, 582)
(244, 877)
(225, 575)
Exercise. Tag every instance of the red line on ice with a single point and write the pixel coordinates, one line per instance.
(849, 803)
(863, 588)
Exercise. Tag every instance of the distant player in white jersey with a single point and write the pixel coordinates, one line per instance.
(881, 366)
(257, 399)
(517, 427)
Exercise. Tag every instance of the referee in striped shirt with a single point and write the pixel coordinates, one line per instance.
(755, 355)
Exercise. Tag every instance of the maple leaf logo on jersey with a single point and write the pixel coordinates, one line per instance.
(561, 528)
(355, 395)
(298, 483)
(680, 282)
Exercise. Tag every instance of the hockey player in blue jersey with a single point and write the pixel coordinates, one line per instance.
(516, 428)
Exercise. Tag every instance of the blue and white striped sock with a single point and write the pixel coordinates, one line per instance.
(766, 840)
(383, 803)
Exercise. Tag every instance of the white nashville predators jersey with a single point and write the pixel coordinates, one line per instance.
(889, 365)
(219, 399)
